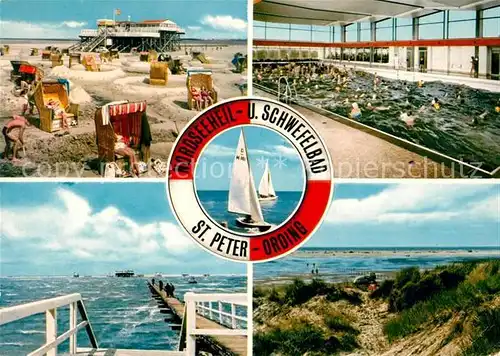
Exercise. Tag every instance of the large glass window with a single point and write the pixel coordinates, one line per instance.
(381, 55)
(300, 32)
(491, 22)
(365, 32)
(404, 29)
(383, 30)
(279, 32)
(322, 34)
(431, 26)
(259, 30)
(351, 32)
(462, 24)
(337, 35)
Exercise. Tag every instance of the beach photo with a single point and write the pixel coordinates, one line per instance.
(250, 179)
(397, 90)
(104, 269)
(102, 89)
(395, 269)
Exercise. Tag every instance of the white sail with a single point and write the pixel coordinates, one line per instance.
(272, 193)
(264, 182)
(242, 194)
(266, 188)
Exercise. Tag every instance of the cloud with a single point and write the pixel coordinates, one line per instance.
(194, 28)
(418, 203)
(24, 29)
(71, 226)
(225, 22)
(74, 24)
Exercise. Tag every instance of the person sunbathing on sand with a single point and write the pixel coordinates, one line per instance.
(122, 148)
(58, 111)
(196, 97)
(205, 97)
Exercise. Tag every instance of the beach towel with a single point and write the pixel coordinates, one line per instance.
(64, 82)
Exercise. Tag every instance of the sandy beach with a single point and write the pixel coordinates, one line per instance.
(125, 78)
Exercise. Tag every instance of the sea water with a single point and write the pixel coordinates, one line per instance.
(215, 203)
(121, 310)
(343, 268)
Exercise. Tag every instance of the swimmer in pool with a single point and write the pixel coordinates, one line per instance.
(408, 119)
(436, 104)
(355, 111)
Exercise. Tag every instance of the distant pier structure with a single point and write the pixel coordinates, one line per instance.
(158, 35)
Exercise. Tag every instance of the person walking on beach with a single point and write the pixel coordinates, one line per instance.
(160, 285)
(153, 281)
(13, 133)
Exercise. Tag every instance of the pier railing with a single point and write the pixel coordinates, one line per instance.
(202, 303)
(49, 307)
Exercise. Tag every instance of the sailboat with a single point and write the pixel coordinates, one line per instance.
(243, 198)
(266, 189)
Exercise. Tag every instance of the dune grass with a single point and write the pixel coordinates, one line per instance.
(438, 295)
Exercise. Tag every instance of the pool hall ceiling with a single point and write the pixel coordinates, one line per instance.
(340, 12)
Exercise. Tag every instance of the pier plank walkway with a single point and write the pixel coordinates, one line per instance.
(235, 343)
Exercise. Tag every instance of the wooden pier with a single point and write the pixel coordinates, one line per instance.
(224, 344)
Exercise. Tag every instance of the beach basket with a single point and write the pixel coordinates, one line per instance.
(6, 49)
(143, 56)
(90, 63)
(74, 58)
(199, 80)
(15, 73)
(114, 54)
(65, 51)
(152, 56)
(105, 57)
(127, 119)
(46, 55)
(158, 73)
(57, 91)
(56, 59)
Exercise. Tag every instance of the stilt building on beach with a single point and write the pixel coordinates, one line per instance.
(158, 35)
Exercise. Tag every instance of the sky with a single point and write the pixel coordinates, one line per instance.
(221, 19)
(214, 169)
(411, 214)
(97, 228)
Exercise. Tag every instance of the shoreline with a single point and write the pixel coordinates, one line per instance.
(396, 252)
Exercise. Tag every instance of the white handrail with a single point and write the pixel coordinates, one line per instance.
(210, 309)
(10, 314)
(49, 307)
(193, 301)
